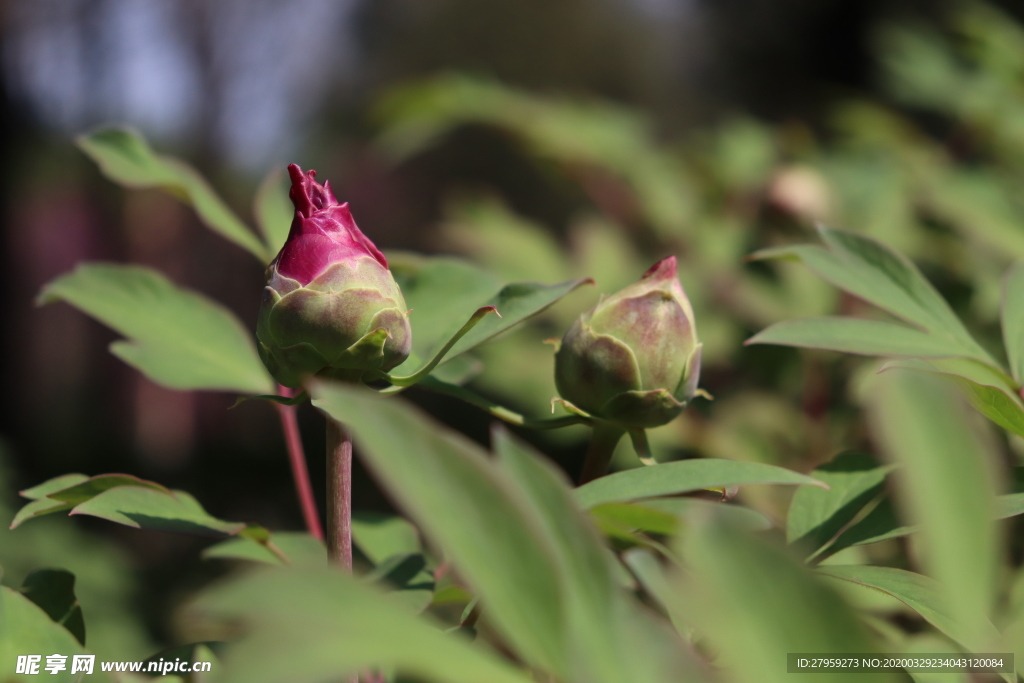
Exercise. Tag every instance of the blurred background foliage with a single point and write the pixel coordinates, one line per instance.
(542, 140)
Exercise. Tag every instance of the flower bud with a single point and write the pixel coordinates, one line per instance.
(634, 359)
(331, 306)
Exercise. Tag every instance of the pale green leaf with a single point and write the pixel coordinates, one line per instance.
(126, 158)
(684, 476)
(176, 337)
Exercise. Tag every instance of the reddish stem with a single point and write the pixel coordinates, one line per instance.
(297, 458)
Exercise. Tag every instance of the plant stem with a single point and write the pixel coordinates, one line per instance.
(339, 495)
(300, 472)
(602, 445)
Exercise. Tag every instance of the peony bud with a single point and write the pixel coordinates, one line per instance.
(633, 360)
(331, 306)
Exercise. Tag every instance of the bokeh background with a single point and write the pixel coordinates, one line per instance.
(545, 140)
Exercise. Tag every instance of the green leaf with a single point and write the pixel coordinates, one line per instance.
(176, 337)
(689, 509)
(463, 503)
(54, 591)
(146, 508)
(410, 581)
(751, 628)
(881, 523)
(515, 302)
(26, 629)
(920, 593)
(871, 271)
(274, 211)
(64, 492)
(298, 548)
(947, 479)
(652, 576)
(308, 626)
(442, 294)
(854, 335)
(577, 135)
(133, 502)
(987, 389)
(379, 536)
(684, 476)
(602, 624)
(1012, 306)
(56, 484)
(816, 516)
(125, 157)
(635, 517)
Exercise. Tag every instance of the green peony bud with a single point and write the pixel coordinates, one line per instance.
(331, 306)
(634, 360)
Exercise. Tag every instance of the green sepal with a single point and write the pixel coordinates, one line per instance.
(641, 409)
(365, 354)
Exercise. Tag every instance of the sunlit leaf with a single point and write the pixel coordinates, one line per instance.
(126, 158)
(176, 337)
(868, 269)
(854, 335)
(684, 476)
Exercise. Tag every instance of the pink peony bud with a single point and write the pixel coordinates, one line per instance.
(331, 306)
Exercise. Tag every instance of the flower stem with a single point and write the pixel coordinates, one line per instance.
(297, 459)
(339, 495)
(602, 445)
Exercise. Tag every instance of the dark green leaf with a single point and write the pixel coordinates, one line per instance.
(26, 629)
(176, 337)
(126, 158)
(683, 476)
(54, 591)
(816, 516)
